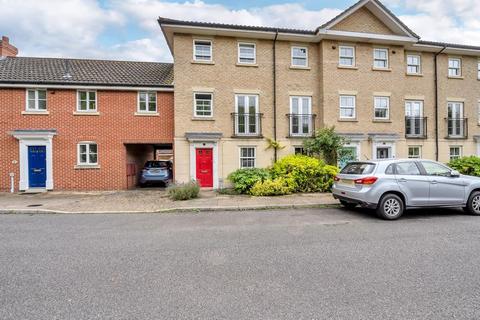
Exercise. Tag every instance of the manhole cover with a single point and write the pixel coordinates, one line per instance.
(35, 205)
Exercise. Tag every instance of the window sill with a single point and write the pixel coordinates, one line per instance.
(382, 120)
(252, 65)
(300, 68)
(203, 119)
(203, 62)
(36, 113)
(347, 67)
(456, 77)
(85, 113)
(347, 120)
(382, 69)
(86, 166)
(147, 114)
(414, 74)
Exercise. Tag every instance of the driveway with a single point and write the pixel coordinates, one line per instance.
(299, 264)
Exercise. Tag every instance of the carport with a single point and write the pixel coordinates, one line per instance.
(139, 153)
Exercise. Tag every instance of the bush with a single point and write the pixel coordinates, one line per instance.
(275, 187)
(244, 179)
(306, 174)
(466, 165)
(184, 191)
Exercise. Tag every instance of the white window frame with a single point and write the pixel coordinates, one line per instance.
(348, 107)
(240, 156)
(309, 114)
(293, 57)
(88, 144)
(478, 112)
(419, 152)
(460, 152)
(387, 62)
(375, 107)
(383, 144)
(196, 115)
(195, 50)
(239, 44)
(36, 108)
(88, 101)
(418, 66)
(347, 57)
(147, 102)
(459, 67)
(257, 120)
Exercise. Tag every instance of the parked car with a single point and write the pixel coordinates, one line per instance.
(391, 186)
(156, 171)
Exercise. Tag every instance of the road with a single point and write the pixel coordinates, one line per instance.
(300, 264)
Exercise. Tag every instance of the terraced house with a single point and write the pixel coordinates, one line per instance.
(365, 72)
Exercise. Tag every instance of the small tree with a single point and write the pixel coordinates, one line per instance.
(326, 144)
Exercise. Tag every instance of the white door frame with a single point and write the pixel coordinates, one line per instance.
(27, 138)
(193, 159)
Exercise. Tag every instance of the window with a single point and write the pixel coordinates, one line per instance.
(435, 169)
(299, 56)
(202, 50)
(87, 101)
(299, 150)
(203, 104)
(478, 70)
(407, 168)
(455, 152)
(36, 100)
(347, 107)
(301, 116)
(147, 102)
(380, 58)
(247, 117)
(381, 107)
(246, 53)
(454, 67)
(349, 152)
(414, 152)
(478, 112)
(413, 64)
(383, 153)
(347, 56)
(358, 168)
(87, 153)
(247, 157)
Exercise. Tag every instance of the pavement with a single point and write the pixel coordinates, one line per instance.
(325, 263)
(153, 200)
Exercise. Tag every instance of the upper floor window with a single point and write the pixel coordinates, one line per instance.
(347, 107)
(246, 117)
(454, 67)
(87, 153)
(203, 106)
(478, 70)
(247, 53)
(36, 100)
(413, 64)
(380, 58)
(202, 50)
(301, 118)
(247, 157)
(299, 56)
(147, 102)
(381, 107)
(87, 101)
(347, 56)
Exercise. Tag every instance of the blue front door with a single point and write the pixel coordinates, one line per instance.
(37, 166)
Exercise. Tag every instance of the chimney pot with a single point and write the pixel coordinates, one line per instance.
(5, 39)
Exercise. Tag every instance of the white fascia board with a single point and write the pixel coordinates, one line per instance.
(82, 87)
(367, 37)
(448, 50)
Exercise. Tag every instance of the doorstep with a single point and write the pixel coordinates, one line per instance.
(34, 190)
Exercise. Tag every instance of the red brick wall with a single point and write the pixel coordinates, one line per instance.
(115, 126)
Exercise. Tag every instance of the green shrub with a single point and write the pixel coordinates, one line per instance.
(276, 187)
(244, 179)
(466, 165)
(306, 174)
(184, 191)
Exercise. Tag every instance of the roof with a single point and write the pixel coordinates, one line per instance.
(53, 71)
(449, 45)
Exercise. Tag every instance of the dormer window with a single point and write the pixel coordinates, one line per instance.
(202, 50)
(380, 58)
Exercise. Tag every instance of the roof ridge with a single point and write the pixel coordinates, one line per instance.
(87, 59)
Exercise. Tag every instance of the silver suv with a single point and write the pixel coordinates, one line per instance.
(391, 186)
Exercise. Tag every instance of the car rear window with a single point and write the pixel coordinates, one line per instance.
(156, 164)
(358, 168)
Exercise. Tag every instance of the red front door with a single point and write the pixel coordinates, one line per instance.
(205, 167)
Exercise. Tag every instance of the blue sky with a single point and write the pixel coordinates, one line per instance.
(127, 29)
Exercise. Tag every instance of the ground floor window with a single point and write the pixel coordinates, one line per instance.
(299, 150)
(414, 152)
(455, 152)
(247, 157)
(87, 153)
(383, 150)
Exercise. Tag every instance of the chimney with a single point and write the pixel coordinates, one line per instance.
(6, 49)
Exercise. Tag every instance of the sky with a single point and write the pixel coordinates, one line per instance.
(128, 30)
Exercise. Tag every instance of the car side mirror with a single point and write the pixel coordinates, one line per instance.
(454, 174)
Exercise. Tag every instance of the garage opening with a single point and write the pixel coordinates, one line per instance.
(157, 157)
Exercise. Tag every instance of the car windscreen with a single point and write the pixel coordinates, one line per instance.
(156, 164)
(358, 168)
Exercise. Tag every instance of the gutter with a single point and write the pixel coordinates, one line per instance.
(436, 100)
(275, 155)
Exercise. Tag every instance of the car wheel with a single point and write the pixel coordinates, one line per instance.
(473, 204)
(348, 205)
(391, 207)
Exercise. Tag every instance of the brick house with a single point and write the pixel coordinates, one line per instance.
(81, 124)
(389, 93)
